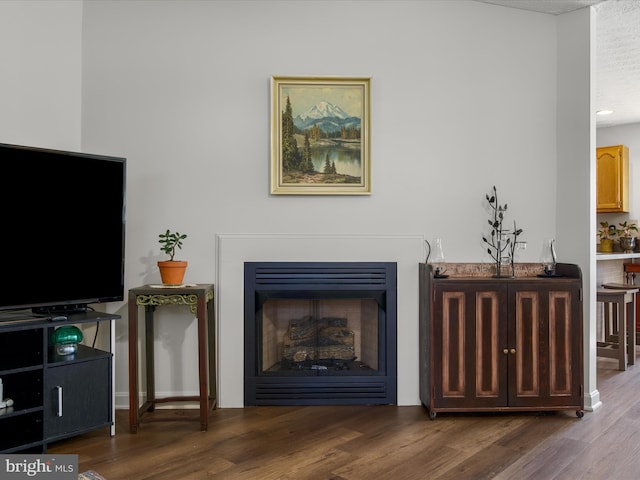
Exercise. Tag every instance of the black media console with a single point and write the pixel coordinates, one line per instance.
(54, 396)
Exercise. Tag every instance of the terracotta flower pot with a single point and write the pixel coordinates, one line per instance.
(172, 271)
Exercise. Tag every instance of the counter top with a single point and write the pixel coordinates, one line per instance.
(616, 255)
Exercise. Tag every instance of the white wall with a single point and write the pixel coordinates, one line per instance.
(576, 170)
(40, 73)
(463, 97)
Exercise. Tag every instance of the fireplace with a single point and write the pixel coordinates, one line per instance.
(320, 333)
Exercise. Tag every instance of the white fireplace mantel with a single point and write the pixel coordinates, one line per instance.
(232, 250)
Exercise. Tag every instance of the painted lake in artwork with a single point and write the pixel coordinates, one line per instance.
(346, 158)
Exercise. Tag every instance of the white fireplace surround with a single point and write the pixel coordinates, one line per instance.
(232, 250)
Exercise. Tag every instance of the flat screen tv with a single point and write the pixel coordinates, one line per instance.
(63, 229)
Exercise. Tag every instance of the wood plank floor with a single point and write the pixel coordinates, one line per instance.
(377, 442)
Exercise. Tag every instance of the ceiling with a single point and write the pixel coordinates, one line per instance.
(617, 52)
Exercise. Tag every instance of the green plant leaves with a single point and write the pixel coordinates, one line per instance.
(169, 241)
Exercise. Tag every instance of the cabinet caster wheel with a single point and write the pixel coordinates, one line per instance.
(432, 415)
(579, 414)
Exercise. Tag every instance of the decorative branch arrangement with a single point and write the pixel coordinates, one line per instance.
(502, 243)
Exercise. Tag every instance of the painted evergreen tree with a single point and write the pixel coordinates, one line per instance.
(290, 153)
(307, 163)
(327, 165)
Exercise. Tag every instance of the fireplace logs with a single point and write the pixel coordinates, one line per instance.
(321, 339)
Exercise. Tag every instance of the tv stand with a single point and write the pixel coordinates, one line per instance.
(54, 396)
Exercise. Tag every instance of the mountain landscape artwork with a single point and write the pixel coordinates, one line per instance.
(320, 137)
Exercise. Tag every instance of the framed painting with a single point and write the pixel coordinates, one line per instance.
(320, 136)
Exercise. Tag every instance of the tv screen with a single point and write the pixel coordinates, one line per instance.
(63, 229)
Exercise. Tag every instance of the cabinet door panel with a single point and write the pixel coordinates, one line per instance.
(469, 367)
(453, 352)
(608, 192)
(525, 359)
(488, 342)
(85, 395)
(612, 179)
(565, 341)
(547, 343)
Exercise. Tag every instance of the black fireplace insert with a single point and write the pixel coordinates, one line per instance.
(320, 333)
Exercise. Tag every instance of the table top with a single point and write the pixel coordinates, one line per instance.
(188, 288)
(612, 292)
(621, 286)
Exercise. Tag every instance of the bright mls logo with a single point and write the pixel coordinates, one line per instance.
(51, 467)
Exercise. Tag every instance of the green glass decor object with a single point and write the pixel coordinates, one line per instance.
(66, 339)
(67, 334)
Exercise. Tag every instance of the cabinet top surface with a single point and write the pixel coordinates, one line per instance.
(508, 279)
(524, 272)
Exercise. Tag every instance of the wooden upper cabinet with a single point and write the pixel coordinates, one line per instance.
(612, 179)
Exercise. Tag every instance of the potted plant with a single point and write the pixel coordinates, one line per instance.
(627, 242)
(171, 271)
(606, 233)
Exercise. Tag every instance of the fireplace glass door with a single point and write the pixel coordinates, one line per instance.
(312, 337)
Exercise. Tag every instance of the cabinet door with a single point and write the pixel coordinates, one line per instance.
(545, 346)
(77, 397)
(612, 179)
(469, 329)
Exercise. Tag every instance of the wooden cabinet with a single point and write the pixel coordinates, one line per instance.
(612, 179)
(54, 396)
(501, 344)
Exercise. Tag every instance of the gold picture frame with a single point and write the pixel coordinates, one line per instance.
(320, 136)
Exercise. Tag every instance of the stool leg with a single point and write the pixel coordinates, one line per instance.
(631, 331)
(609, 321)
(605, 323)
(622, 335)
(630, 278)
